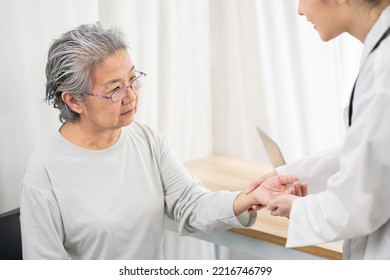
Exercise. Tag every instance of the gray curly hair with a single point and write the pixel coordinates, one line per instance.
(72, 59)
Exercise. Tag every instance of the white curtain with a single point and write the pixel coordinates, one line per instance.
(215, 69)
(26, 30)
(271, 69)
(169, 40)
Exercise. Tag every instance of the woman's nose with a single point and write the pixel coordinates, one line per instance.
(130, 96)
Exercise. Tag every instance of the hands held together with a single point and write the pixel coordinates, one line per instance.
(276, 192)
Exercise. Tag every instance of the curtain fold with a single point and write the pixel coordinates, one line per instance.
(27, 28)
(169, 40)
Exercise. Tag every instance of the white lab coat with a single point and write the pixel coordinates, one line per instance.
(351, 184)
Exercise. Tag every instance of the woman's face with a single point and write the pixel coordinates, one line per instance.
(328, 16)
(100, 114)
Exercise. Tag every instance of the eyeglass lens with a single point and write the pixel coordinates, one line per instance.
(134, 85)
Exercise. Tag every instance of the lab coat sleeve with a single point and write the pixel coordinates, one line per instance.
(356, 201)
(315, 170)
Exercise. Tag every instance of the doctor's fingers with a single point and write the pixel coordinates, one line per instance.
(255, 208)
(304, 188)
(285, 179)
(273, 209)
(300, 189)
(278, 211)
(272, 205)
(281, 206)
(275, 212)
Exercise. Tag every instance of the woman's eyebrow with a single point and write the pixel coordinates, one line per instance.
(113, 81)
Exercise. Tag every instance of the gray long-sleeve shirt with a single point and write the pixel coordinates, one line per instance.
(110, 204)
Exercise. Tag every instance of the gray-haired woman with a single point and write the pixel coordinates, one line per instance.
(100, 186)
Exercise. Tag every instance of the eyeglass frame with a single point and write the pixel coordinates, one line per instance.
(122, 89)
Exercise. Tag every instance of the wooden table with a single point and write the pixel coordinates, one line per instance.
(229, 173)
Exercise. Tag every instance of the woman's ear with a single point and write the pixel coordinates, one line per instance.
(73, 103)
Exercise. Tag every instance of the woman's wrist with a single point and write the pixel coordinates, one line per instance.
(243, 202)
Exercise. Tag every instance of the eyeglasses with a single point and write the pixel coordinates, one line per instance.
(118, 94)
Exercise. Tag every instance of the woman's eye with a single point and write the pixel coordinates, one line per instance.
(115, 89)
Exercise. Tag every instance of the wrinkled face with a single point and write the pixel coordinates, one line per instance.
(100, 114)
(328, 16)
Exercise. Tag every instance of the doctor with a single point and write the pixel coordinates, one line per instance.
(352, 182)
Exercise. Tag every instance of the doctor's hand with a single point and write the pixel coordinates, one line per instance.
(274, 186)
(263, 194)
(271, 184)
(281, 206)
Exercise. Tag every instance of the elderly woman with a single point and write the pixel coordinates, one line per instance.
(100, 186)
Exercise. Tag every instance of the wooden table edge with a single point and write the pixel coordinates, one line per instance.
(281, 241)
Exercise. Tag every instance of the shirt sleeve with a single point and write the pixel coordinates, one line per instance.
(41, 224)
(190, 204)
(315, 170)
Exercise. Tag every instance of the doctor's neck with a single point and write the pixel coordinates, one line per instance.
(366, 13)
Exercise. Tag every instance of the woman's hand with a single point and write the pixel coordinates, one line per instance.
(272, 185)
(268, 190)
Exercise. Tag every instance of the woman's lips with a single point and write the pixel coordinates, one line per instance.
(128, 112)
(131, 110)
